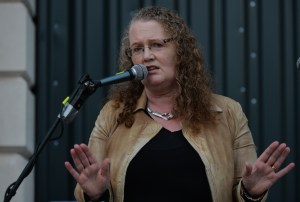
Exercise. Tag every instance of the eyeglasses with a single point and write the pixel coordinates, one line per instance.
(154, 46)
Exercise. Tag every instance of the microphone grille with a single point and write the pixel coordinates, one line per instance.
(140, 71)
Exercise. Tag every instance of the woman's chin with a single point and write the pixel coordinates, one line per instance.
(152, 82)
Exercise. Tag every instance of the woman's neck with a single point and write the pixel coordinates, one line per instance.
(162, 102)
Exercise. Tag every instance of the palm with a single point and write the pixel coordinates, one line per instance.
(92, 176)
(260, 176)
(92, 180)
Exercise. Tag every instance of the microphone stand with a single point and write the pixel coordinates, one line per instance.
(71, 106)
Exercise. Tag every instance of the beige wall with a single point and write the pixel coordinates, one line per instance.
(17, 108)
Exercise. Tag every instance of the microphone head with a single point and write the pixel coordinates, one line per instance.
(298, 63)
(139, 71)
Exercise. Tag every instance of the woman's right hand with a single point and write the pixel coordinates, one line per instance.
(92, 176)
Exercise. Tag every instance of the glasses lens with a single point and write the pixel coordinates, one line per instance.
(154, 46)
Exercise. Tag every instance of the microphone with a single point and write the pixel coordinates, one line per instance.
(298, 63)
(136, 72)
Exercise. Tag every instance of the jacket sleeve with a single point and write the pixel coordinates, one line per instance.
(104, 125)
(244, 149)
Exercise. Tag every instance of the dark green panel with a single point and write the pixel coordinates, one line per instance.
(94, 54)
(272, 90)
(296, 53)
(253, 70)
(42, 99)
(183, 9)
(200, 24)
(271, 70)
(77, 65)
(166, 3)
(235, 54)
(289, 87)
(55, 68)
(148, 2)
(217, 60)
(127, 10)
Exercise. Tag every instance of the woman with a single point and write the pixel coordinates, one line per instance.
(168, 137)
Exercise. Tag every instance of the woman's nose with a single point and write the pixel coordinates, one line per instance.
(147, 53)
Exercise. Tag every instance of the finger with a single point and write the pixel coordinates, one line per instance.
(276, 154)
(281, 158)
(268, 152)
(72, 171)
(105, 167)
(285, 170)
(247, 170)
(76, 160)
(82, 156)
(88, 153)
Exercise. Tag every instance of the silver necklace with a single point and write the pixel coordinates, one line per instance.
(165, 116)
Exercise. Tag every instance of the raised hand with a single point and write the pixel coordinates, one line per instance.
(260, 176)
(92, 176)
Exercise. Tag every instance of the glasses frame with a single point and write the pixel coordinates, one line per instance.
(128, 51)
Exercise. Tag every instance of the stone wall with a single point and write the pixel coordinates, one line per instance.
(17, 108)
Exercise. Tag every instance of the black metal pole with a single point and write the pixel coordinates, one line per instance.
(11, 190)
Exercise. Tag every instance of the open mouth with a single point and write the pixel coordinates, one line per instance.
(151, 68)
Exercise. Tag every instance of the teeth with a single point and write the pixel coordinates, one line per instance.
(151, 67)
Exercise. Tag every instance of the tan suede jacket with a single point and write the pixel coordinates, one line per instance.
(223, 148)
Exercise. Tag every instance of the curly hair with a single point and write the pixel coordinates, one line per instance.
(193, 103)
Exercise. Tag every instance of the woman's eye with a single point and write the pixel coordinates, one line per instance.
(157, 45)
(137, 49)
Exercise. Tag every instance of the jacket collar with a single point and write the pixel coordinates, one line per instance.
(142, 102)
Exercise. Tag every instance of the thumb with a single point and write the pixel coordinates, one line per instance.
(247, 170)
(105, 167)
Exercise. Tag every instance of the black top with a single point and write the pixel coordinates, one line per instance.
(166, 169)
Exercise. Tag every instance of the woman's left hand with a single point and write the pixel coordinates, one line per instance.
(260, 176)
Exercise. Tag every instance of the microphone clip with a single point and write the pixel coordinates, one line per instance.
(73, 103)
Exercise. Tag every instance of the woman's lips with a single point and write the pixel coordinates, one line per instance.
(150, 68)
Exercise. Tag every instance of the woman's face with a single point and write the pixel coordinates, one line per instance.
(152, 47)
